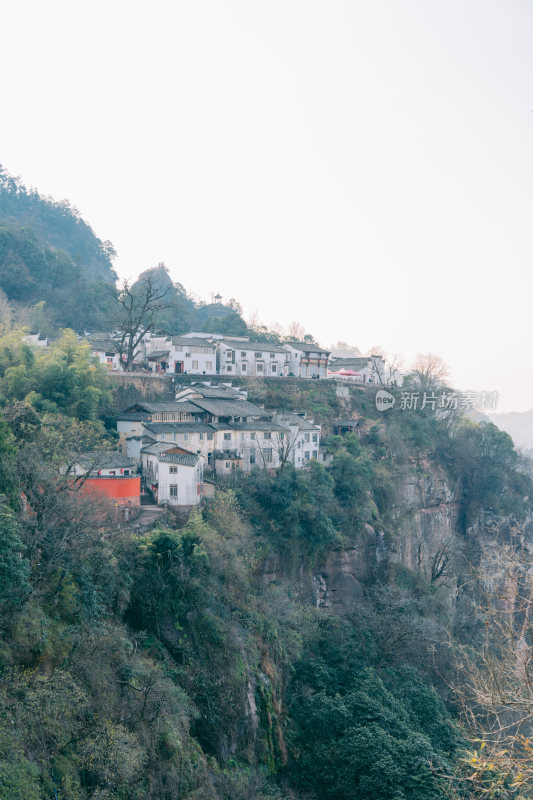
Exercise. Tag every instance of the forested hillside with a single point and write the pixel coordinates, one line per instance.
(296, 638)
(57, 224)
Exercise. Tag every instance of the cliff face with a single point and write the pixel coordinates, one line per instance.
(424, 541)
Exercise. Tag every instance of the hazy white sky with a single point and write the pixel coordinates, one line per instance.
(363, 166)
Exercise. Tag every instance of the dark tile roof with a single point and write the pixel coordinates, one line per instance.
(161, 407)
(230, 408)
(256, 425)
(178, 427)
(107, 459)
(133, 417)
(177, 458)
(219, 392)
(305, 347)
(192, 342)
(255, 346)
(158, 354)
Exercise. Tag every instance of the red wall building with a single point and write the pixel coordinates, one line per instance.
(121, 490)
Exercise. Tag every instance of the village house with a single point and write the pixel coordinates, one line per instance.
(180, 355)
(303, 439)
(307, 360)
(172, 474)
(251, 359)
(360, 369)
(105, 349)
(110, 475)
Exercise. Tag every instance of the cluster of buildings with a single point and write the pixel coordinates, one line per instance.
(215, 428)
(198, 353)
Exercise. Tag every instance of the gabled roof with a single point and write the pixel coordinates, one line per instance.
(230, 408)
(157, 354)
(305, 347)
(190, 341)
(219, 392)
(175, 458)
(295, 420)
(256, 346)
(159, 407)
(177, 427)
(107, 459)
(257, 425)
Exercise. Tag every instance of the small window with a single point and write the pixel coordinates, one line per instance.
(209, 437)
(201, 437)
(267, 455)
(259, 355)
(272, 355)
(274, 366)
(227, 437)
(252, 456)
(252, 436)
(315, 454)
(243, 367)
(307, 437)
(315, 437)
(185, 437)
(260, 367)
(173, 490)
(173, 470)
(195, 364)
(267, 435)
(209, 365)
(307, 455)
(243, 355)
(228, 369)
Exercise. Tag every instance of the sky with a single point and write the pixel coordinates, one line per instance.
(362, 166)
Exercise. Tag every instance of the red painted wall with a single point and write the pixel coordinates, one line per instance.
(121, 490)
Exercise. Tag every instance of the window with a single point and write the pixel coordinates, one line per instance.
(173, 470)
(173, 489)
(259, 355)
(315, 437)
(267, 455)
(195, 364)
(185, 437)
(209, 437)
(274, 367)
(272, 355)
(260, 367)
(244, 367)
(243, 355)
(307, 455)
(227, 437)
(209, 365)
(201, 437)
(252, 456)
(267, 435)
(315, 454)
(252, 436)
(163, 435)
(228, 369)
(307, 437)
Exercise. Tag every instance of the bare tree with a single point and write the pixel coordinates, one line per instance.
(429, 371)
(494, 683)
(296, 331)
(138, 306)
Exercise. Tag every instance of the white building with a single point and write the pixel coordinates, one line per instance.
(303, 438)
(106, 351)
(252, 359)
(173, 475)
(307, 360)
(180, 355)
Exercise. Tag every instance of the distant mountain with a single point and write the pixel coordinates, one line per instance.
(57, 224)
(518, 424)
